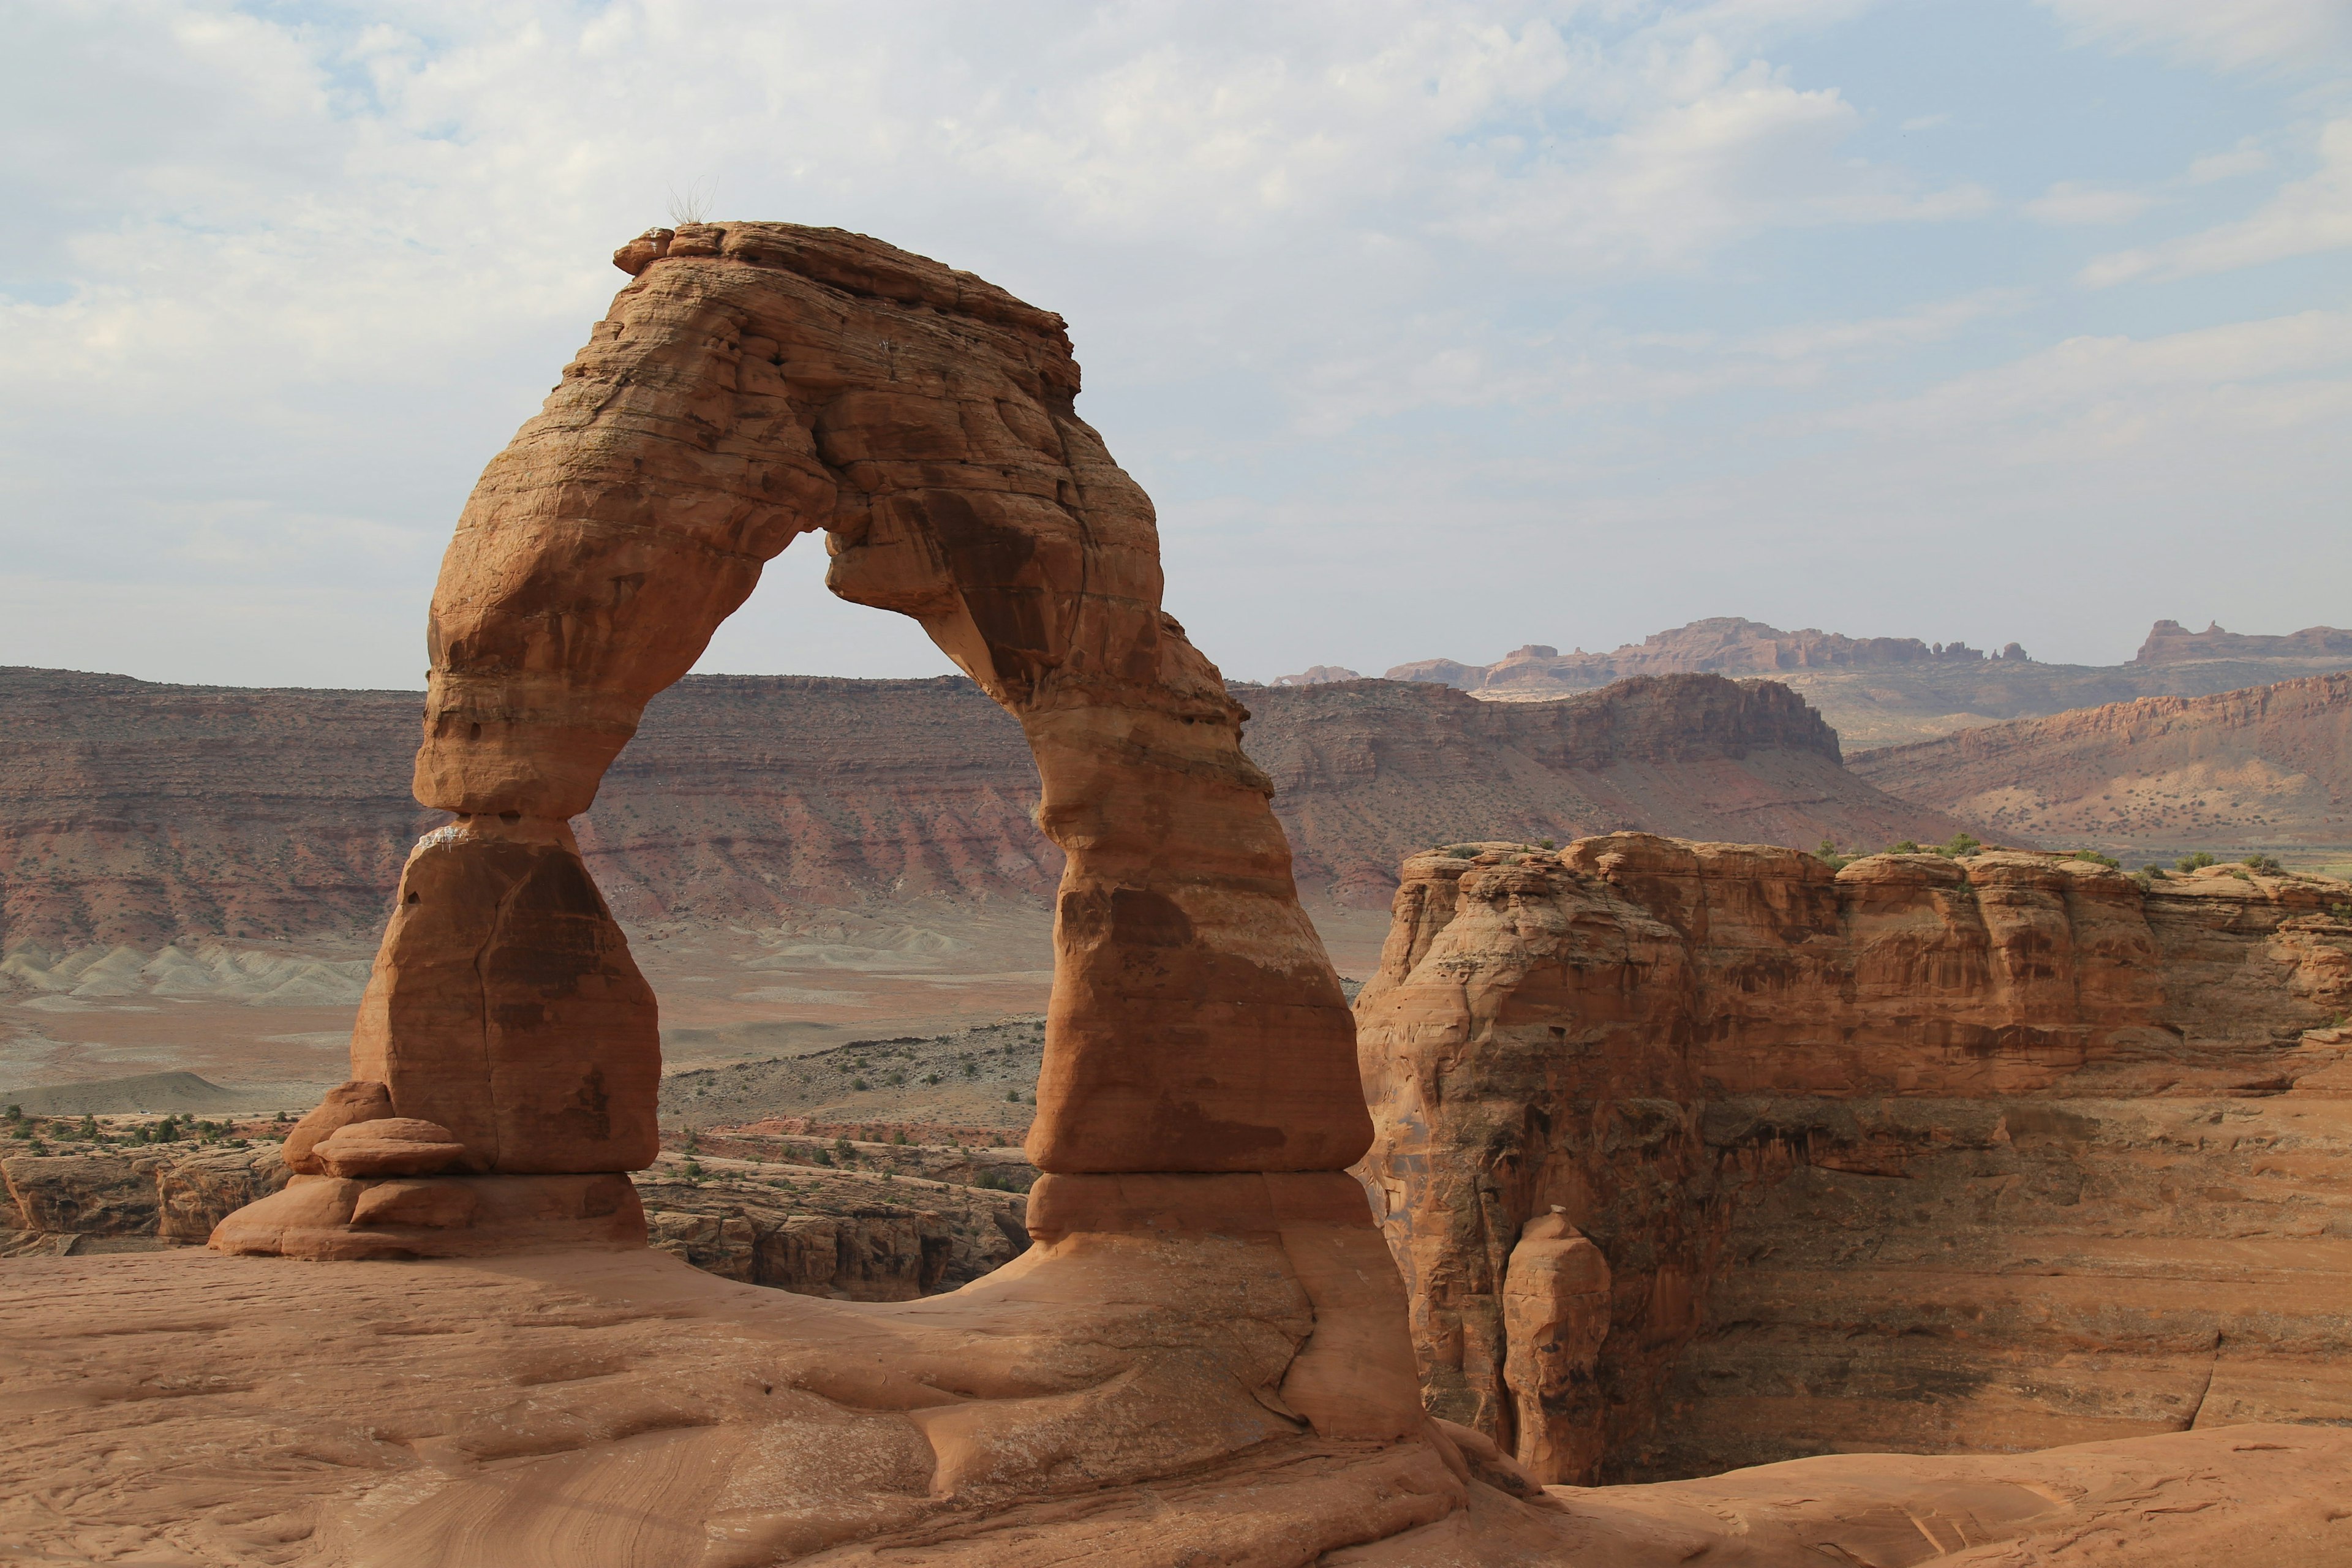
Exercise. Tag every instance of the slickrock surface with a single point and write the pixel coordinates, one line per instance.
(623, 1411)
(2266, 769)
(1923, 1154)
(1885, 691)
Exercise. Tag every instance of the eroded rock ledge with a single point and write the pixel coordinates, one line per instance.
(1922, 1155)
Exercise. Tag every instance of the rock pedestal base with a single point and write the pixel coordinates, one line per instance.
(329, 1218)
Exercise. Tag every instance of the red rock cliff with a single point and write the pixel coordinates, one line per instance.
(1921, 1154)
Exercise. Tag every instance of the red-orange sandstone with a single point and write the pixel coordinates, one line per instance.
(1990, 1154)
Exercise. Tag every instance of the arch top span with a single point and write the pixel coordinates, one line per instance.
(755, 382)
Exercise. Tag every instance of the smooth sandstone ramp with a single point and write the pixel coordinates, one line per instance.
(621, 1410)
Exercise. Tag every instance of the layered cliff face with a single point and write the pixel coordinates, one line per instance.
(1367, 771)
(1921, 1154)
(2268, 768)
(133, 814)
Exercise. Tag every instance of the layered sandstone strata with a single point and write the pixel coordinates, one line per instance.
(1922, 1153)
(2266, 768)
(134, 815)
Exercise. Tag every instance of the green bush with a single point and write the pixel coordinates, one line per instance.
(1961, 844)
(2196, 862)
(2265, 864)
(2096, 859)
(1906, 847)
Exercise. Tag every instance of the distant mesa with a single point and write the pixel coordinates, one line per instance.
(1317, 675)
(2170, 642)
(1722, 644)
(1888, 691)
(134, 816)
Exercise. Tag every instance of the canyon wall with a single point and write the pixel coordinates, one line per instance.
(2266, 768)
(133, 813)
(1698, 1155)
(1367, 771)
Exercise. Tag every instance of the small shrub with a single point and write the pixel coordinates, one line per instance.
(823, 1157)
(1827, 853)
(2096, 859)
(899, 1136)
(989, 1181)
(1012, 1097)
(2196, 862)
(970, 1068)
(1550, 845)
(1961, 844)
(859, 1083)
(691, 1169)
(1905, 847)
(2151, 872)
(2264, 864)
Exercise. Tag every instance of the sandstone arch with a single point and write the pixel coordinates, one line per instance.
(1206, 1279)
(752, 384)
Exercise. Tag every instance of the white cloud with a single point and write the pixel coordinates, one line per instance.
(276, 283)
(2303, 218)
(2246, 158)
(2069, 203)
(2233, 33)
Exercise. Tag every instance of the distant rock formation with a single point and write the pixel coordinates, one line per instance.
(134, 815)
(1369, 772)
(1924, 1154)
(1724, 645)
(2266, 768)
(2170, 642)
(1884, 692)
(1317, 675)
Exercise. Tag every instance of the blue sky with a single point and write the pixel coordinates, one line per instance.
(1433, 329)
